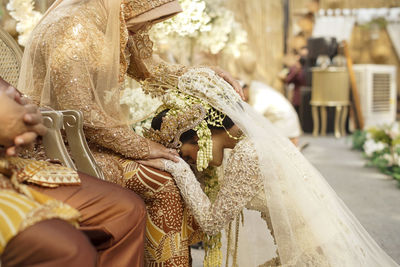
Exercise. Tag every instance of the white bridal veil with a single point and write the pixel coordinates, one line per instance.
(311, 224)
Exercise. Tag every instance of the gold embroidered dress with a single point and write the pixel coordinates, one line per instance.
(77, 58)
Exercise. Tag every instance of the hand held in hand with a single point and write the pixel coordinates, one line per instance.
(159, 151)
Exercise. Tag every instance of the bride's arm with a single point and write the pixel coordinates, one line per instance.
(241, 183)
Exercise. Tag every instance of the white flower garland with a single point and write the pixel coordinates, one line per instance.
(25, 15)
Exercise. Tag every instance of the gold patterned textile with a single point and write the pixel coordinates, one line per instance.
(42, 173)
(131, 9)
(170, 226)
(80, 53)
(20, 205)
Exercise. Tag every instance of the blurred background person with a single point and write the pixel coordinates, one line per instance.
(296, 76)
(274, 106)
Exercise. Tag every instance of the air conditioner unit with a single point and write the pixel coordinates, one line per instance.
(378, 93)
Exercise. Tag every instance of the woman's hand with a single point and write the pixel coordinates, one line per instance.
(158, 151)
(229, 79)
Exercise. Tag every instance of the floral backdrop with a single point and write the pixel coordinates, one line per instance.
(141, 106)
(206, 24)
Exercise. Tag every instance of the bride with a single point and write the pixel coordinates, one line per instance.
(309, 223)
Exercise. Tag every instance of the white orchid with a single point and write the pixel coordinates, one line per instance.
(370, 146)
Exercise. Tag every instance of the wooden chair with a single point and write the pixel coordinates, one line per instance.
(70, 121)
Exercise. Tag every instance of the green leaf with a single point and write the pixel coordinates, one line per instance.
(358, 139)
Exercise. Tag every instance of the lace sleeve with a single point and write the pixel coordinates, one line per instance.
(241, 184)
(72, 80)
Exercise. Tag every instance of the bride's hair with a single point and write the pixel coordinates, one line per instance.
(190, 134)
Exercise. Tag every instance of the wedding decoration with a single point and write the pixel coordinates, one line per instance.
(381, 146)
(187, 23)
(203, 23)
(141, 106)
(25, 15)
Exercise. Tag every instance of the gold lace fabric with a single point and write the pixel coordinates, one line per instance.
(133, 8)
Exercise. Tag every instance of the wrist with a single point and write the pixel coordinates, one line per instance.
(146, 148)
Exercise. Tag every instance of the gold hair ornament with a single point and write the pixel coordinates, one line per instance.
(185, 112)
(176, 93)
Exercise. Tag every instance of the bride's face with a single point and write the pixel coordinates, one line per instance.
(189, 150)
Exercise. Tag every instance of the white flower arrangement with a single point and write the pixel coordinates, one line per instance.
(25, 15)
(382, 142)
(371, 146)
(141, 106)
(187, 23)
(207, 23)
(381, 146)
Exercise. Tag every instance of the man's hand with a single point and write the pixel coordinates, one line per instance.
(158, 155)
(34, 121)
(20, 125)
(13, 93)
(229, 79)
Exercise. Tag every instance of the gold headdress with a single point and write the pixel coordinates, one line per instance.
(178, 120)
(198, 88)
(172, 127)
(186, 112)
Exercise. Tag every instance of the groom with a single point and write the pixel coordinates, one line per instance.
(112, 222)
